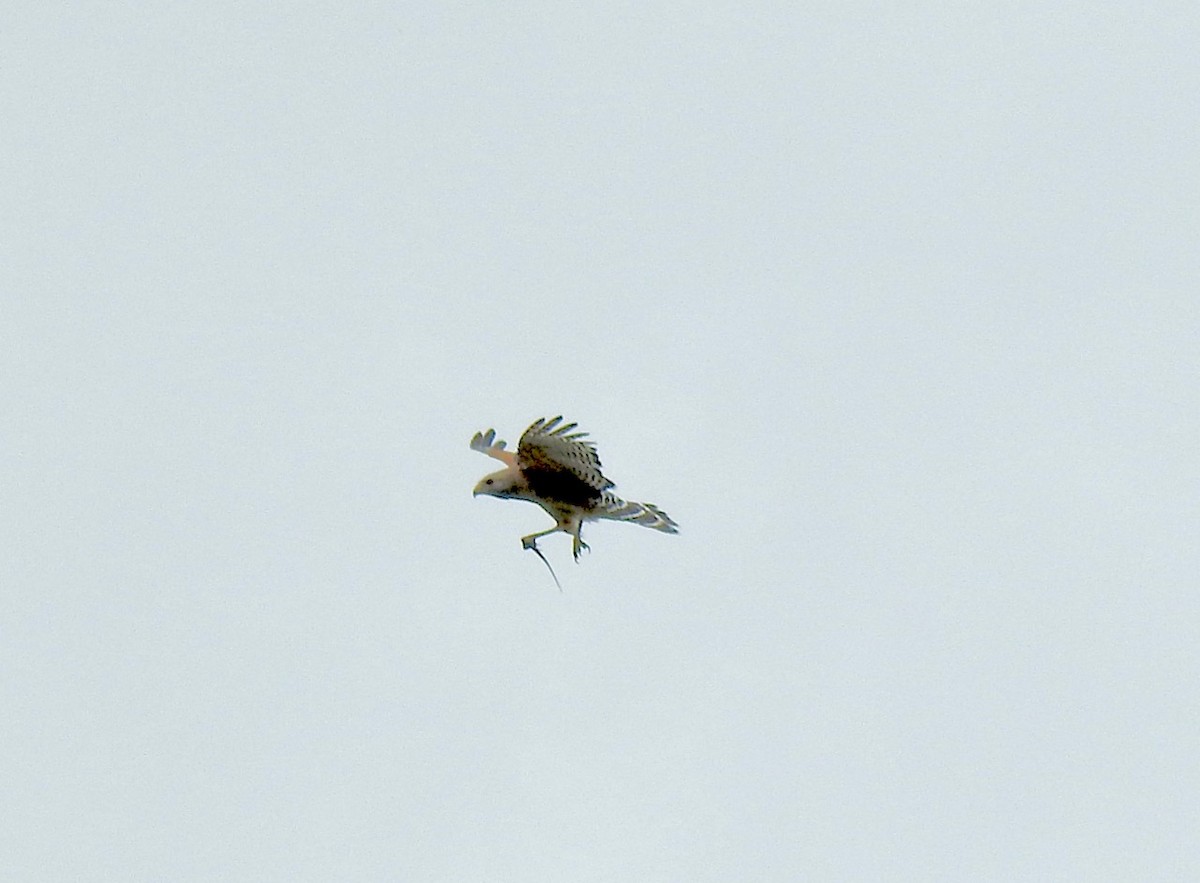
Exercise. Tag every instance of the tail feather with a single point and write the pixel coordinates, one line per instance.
(645, 514)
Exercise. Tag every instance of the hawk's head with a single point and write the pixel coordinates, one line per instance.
(504, 483)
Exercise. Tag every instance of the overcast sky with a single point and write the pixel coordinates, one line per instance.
(895, 308)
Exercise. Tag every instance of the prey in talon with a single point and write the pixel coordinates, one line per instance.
(559, 470)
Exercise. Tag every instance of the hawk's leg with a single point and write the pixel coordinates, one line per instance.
(530, 542)
(577, 543)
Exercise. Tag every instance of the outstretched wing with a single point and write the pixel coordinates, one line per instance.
(485, 443)
(561, 457)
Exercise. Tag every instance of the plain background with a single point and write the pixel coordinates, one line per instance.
(893, 307)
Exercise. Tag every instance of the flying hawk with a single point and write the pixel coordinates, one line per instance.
(560, 471)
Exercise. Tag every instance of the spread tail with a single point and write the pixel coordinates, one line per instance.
(645, 514)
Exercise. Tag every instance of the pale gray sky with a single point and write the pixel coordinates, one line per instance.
(893, 307)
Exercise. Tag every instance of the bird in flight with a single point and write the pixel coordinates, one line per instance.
(560, 471)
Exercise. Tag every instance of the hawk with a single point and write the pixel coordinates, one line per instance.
(560, 471)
